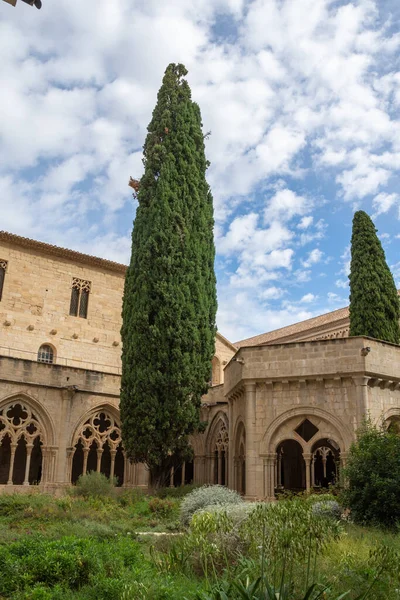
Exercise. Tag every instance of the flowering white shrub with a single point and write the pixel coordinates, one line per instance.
(208, 495)
(327, 508)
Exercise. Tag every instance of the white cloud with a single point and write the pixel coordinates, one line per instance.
(285, 205)
(341, 283)
(308, 91)
(314, 257)
(307, 298)
(271, 293)
(305, 222)
(383, 202)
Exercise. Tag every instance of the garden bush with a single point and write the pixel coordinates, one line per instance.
(95, 485)
(162, 507)
(207, 495)
(329, 509)
(373, 475)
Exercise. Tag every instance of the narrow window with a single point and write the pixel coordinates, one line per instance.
(79, 297)
(46, 354)
(3, 268)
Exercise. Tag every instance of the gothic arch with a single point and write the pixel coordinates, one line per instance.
(39, 411)
(24, 433)
(96, 445)
(217, 446)
(219, 420)
(392, 415)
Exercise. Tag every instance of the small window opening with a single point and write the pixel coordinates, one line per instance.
(46, 354)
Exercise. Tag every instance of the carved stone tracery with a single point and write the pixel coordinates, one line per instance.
(18, 421)
(81, 284)
(99, 428)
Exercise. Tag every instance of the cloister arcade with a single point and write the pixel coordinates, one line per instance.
(21, 439)
(97, 446)
(217, 445)
(306, 451)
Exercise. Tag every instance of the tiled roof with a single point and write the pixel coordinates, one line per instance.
(296, 328)
(18, 240)
(332, 318)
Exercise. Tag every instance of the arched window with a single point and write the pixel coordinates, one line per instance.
(98, 447)
(46, 354)
(21, 437)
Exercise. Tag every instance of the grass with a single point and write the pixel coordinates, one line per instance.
(88, 548)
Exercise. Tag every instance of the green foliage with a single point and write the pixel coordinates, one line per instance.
(373, 474)
(329, 509)
(95, 485)
(176, 492)
(207, 495)
(162, 507)
(374, 303)
(169, 303)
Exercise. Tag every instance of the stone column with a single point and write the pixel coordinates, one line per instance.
(229, 472)
(227, 467)
(212, 469)
(307, 459)
(251, 450)
(269, 476)
(11, 469)
(361, 385)
(219, 467)
(235, 474)
(313, 471)
(28, 463)
(85, 459)
(112, 468)
(99, 453)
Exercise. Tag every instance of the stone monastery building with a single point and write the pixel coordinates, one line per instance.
(282, 409)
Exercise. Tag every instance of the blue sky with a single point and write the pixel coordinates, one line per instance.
(301, 96)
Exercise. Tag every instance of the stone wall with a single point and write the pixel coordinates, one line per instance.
(332, 384)
(34, 309)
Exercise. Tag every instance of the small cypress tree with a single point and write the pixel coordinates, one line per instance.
(169, 304)
(374, 302)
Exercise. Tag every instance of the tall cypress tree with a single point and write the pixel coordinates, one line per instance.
(169, 304)
(374, 302)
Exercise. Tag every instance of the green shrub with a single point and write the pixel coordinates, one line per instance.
(161, 507)
(176, 492)
(95, 485)
(207, 495)
(329, 509)
(237, 513)
(12, 504)
(373, 475)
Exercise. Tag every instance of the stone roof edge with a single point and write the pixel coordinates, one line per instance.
(342, 340)
(72, 255)
(309, 321)
(227, 342)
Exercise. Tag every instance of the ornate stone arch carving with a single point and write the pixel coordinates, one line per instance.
(23, 436)
(275, 433)
(100, 427)
(96, 445)
(219, 421)
(38, 410)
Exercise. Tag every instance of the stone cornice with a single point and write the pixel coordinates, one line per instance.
(73, 255)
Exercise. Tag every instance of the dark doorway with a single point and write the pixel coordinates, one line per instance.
(293, 472)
